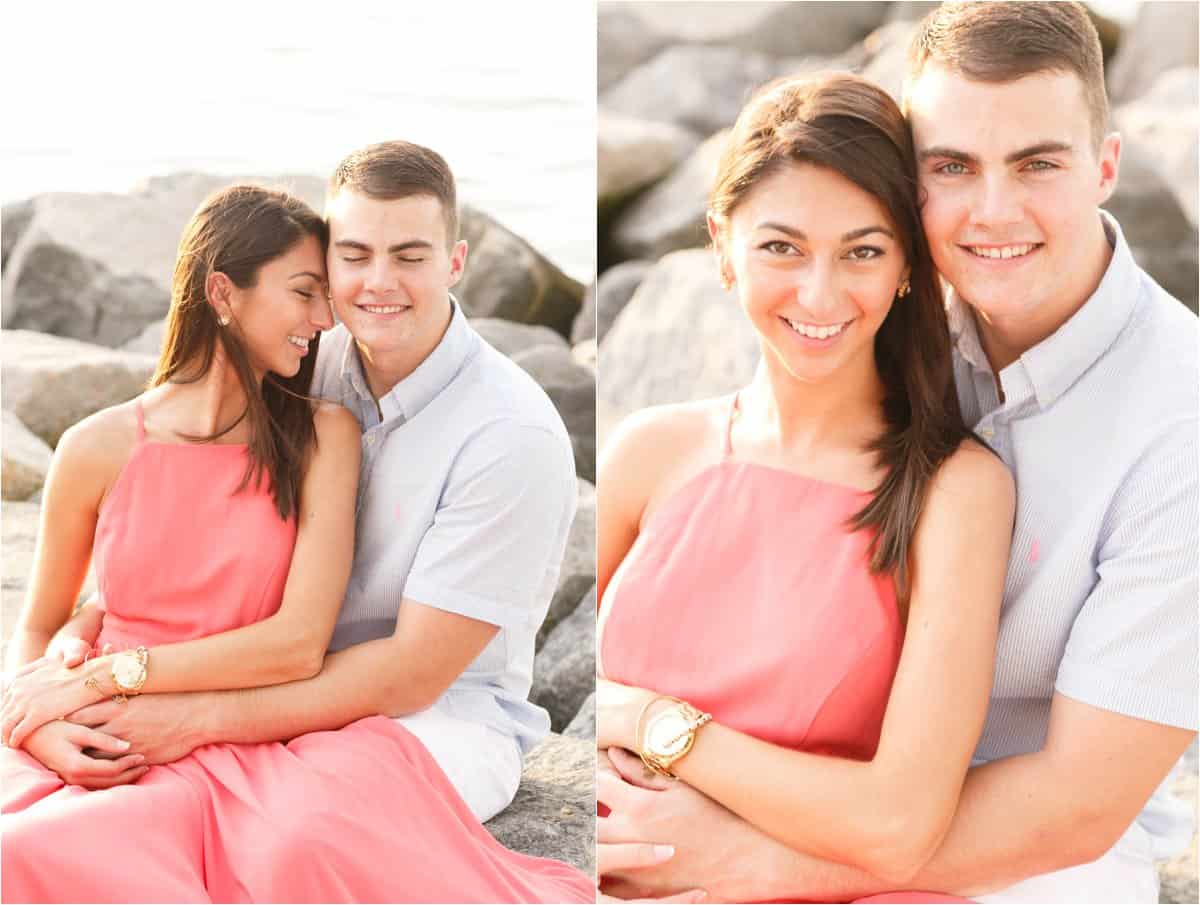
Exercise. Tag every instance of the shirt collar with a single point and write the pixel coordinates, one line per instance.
(1053, 365)
(431, 376)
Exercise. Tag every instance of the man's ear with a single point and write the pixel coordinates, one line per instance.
(458, 261)
(1110, 164)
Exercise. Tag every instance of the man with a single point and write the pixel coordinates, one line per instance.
(465, 501)
(1082, 375)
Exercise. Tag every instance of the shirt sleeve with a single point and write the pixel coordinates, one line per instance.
(500, 529)
(1133, 646)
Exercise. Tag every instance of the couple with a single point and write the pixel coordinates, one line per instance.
(413, 527)
(897, 659)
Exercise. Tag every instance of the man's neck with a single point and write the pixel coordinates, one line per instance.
(383, 370)
(1006, 340)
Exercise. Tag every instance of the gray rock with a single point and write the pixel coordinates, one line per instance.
(615, 288)
(509, 338)
(554, 813)
(681, 337)
(776, 29)
(98, 266)
(1163, 36)
(670, 216)
(1165, 123)
(704, 88)
(51, 382)
(1177, 876)
(623, 40)
(564, 670)
(14, 218)
(573, 391)
(584, 724)
(887, 47)
(632, 153)
(578, 571)
(585, 321)
(149, 341)
(585, 353)
(506, 277)
(1162, 239)
(911, 10)
(26, 460)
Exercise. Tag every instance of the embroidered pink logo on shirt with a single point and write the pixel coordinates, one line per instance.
(398, 512)
(1035, 550)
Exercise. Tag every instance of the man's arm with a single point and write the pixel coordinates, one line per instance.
(1017, 817)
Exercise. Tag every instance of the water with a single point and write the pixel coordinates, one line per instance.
(98, 97)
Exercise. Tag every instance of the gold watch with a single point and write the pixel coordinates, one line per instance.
(669, 735)
(129, 671)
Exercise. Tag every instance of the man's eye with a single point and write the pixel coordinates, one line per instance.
(1041, 165)
(411, 260)
(357, 260)
(953, 168)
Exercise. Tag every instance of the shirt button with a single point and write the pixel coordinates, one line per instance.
(370, 439)
(988, 432)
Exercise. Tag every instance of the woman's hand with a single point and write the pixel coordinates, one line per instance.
(59, 746)
(47, 690)
(617, 710)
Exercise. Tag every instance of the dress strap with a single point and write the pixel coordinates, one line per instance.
(727, 450)
(141, 420)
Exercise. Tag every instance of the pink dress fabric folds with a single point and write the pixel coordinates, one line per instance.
(747, 595)
(362, 814)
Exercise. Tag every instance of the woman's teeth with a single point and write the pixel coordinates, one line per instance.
(299, 342)
(1004, 251)
(812, 331)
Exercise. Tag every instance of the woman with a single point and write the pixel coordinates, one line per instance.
(221, 504)
(813, 567)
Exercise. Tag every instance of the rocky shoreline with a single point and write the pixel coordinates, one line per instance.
(86, 285)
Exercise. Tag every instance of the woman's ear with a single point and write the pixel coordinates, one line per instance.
(715, 233)
(218, 289)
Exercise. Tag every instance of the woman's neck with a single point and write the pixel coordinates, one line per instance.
(217, 401)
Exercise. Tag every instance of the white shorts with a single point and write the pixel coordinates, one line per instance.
(484, 765)
(1125, 873)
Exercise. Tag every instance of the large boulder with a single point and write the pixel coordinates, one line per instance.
(98, 266)
(1164, 36)
(1163, 240)
(776, 29)
(554, 812)
(509, 338)
(1177, 876)
(50, 382)
(623, 40)
(670, 216)
(14, 218)
(506, 277)
(26, 460)
(572, 388)
(887, 48)
(703, 88)
(578, 571)
(614, 289)
(149, 341)
(564, 670)
(681, 337)
(584, 724)
(584, 327)
(1165, 123)
(632, 153)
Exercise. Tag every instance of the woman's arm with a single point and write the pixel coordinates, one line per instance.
(887, 816)
(284, 647)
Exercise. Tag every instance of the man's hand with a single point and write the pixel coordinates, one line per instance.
(59, 746)
(713, 847)
(160, 727)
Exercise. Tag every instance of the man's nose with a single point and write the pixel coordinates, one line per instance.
(378, 277)
(997, 202)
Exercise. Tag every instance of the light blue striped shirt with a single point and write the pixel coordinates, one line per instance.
(465, 502)
(1099, 426)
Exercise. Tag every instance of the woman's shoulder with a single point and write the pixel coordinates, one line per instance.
(973, 477)
(665, 430)
(335, 424)
(108, 433)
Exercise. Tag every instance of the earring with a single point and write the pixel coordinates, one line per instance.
(726, 283)
(903, 290)
(224, 320)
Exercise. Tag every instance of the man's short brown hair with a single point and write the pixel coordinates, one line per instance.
(391, 170)
(1005, 41)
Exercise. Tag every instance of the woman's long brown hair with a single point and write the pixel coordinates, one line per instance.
(851, 126)
(235, 231)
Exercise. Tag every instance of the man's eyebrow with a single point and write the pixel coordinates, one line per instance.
(853, 234)
(392, 249)
(1041, 147)
(307, 273)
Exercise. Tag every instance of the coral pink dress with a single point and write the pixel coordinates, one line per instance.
(363, 814)
(746, 595)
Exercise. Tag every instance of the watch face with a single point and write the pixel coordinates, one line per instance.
(668, 734)
(127, 670)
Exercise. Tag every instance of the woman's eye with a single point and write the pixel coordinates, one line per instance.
(777, 247)
(864, 253)
(307, 296)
